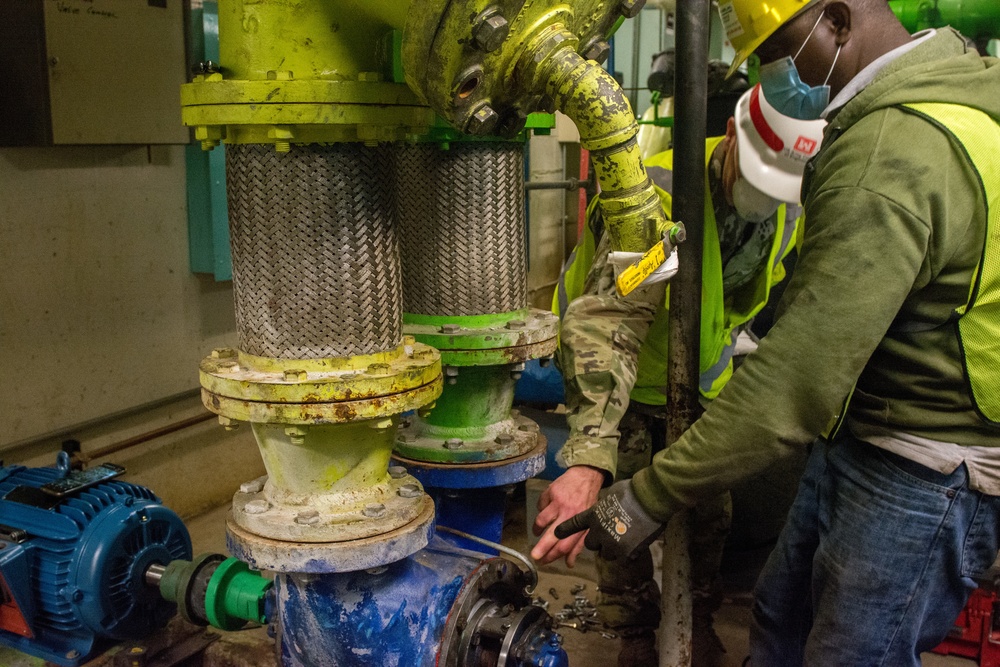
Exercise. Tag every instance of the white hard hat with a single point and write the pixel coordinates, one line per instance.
(773, 148)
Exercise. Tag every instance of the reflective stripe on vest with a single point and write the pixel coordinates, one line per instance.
(979, 319)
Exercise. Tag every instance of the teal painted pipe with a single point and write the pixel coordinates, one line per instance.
(978, 20)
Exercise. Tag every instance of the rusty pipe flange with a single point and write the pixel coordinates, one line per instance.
(241, 387)
(464, 341)
(478, 90)
(263, 553)
(506, 439)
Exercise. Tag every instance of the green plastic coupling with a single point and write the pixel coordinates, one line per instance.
(232, 597)
(236, 595)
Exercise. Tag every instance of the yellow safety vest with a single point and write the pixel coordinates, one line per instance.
(979, 318)
(720, 318)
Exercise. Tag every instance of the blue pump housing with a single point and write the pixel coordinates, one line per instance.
(72, 573)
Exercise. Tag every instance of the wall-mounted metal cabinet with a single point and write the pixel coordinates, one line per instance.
(91, 72)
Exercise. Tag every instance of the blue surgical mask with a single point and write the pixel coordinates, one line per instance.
(788, 93)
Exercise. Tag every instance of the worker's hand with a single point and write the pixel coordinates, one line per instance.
(617, 525)
(572, 492)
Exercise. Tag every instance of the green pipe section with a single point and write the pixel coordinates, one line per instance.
(976, 19)
(481, 396)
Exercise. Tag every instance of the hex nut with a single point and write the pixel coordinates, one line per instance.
(307, 517)
(228, 424)
(483, 120)
(450, 328)
(491, 32)
(397, 472)
(598, 51)
(224, 353)
(504, 439)
(294, 374)
(257, 507)
(631, 8)
(454, 443)
(410, 491)
(516, 324)
(253, 486)
(374, 511)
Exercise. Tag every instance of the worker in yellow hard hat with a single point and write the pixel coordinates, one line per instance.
(889, 328)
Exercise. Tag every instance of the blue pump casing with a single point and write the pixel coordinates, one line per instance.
(72, 574)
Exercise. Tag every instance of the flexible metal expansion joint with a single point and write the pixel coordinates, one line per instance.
(589, 95)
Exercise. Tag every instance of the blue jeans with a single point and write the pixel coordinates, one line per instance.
(874, 563)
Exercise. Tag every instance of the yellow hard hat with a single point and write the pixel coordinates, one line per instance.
(749, 22)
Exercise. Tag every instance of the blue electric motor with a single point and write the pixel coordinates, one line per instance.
(74, 550)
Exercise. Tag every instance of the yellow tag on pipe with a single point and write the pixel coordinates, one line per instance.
(633, 274)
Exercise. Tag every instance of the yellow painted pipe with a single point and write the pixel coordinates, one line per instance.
(593, 100)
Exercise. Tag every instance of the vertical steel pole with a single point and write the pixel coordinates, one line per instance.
(690, 109)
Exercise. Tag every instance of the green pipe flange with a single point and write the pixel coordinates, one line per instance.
(235, 595)
(443, 133)
(486, 340)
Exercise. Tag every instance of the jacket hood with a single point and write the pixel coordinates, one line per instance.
(943, 69)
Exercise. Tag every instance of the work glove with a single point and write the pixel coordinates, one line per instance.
(618, 524)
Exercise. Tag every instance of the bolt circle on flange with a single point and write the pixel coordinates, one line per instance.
(488, 340)
(241, 387)
(506, 439)
(349, 555)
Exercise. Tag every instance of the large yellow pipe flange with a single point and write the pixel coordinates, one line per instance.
(242, 387)
(236, 410)
(306, 111)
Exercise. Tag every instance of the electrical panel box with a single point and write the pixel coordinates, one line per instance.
(91, 72)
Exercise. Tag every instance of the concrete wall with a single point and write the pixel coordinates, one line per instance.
(99, 314)
(98, 310)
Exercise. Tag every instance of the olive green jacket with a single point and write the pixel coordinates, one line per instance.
(897, 223)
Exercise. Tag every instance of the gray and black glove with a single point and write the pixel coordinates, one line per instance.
(618, 523)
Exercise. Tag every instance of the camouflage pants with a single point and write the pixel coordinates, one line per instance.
(600, 340)
(630, 598)
(599, 346)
